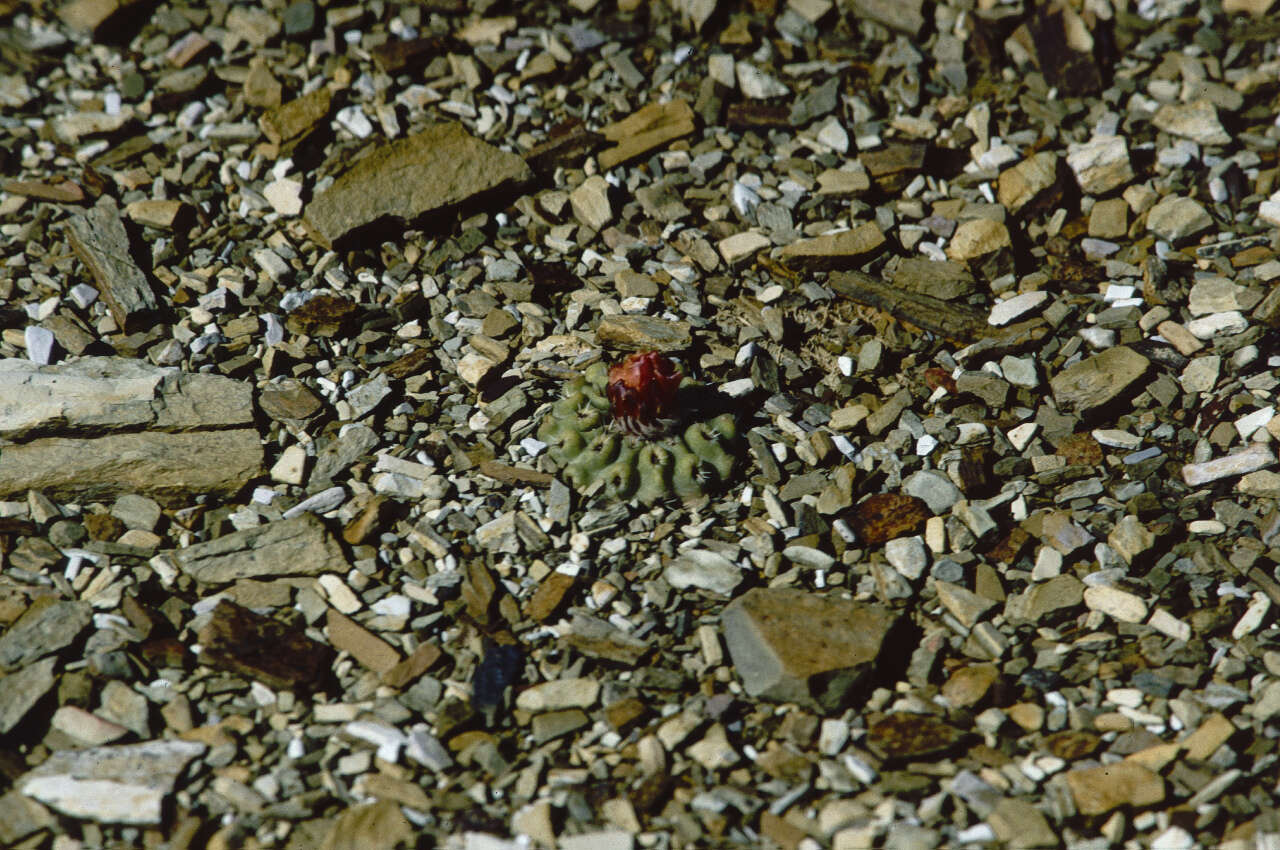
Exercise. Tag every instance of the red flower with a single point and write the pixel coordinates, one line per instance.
(642, 393)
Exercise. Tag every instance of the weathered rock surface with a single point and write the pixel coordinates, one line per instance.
(298, 546)
(119, 784)
(46, 627)
(428, 172)
(1097, 380)
(793, 646)
(100, 241)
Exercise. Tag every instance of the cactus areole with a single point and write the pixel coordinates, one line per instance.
(642, 394)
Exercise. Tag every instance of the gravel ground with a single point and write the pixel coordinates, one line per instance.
(315, 530)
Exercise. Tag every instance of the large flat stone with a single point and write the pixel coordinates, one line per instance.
(300, 546)
(118, 784)
(167, 467)
(97, 395)
(428, 172)
(46, 627)
(1097, 380)
(792, 646)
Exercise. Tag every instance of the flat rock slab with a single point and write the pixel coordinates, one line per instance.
(100, 241)
(641, 333)
(1098, 790)
(904, 735)
(120, 784)
(247, 644)
(46, 627)
(644, 130)
(97, 395)
(1097, 380)
(793, 646)
(300, 546)
(431, 171)
(20, 691)
(167, 467)
(845, 250)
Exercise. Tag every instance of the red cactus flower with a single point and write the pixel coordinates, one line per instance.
(642, 394)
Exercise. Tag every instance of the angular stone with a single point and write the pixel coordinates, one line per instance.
(99, 239)
(95, 395)
(1062, 592)
(1109, 219)
(941, 279)
(20, 691)
(1100, 164)
(911, 736)
(21, 816)
(162, 215)
(704, 569)
(1197, 121)
(906, 16)
(559, 694)
(984, 245)
(1098, 790)
(793, 646)
(845, 250)
(298, 546)
(590, 202)
(379, 824)
(1021, 825)
(969, 685)
(1251, 459)
(642, 333)
(128, 783)
(741, 247)
(364, 646)
(1022, 184)
(399, 182)
(644, 130)
(884, 516)
(293, 120)
(247, 644)
(1116, 603)
(47, 626)
(1097, 380)
(1176, 218)
(965, 605)
(1130, 538)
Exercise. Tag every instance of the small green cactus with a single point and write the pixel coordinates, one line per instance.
(695, 458)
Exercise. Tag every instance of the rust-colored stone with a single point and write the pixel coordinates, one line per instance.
(907, 736)
(1072, 745)
(885, 516)
(322, 316)
(239, 641)
(1080, 449)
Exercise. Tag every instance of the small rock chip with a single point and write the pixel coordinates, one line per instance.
(640, 333)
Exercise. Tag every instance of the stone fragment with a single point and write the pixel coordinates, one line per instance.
(911, 736)
(127, 783)
(559, 694)
(793, 646)
(99, 239)
(378, 824)
(47, 626)
(1215, 324)
(1197, 121)
(401, 181)
(1116, 603)
(590, 202)
(1098, 790)
(162, 215)
(644, 130)
(1026, 181)
(969, 685)
(1016, 307)
(984, 246)
(94, 395)
(296, 119)
(1177, 218)
(756, 84)
(168, 467)
(86, 728)
(940, 279)
(284, 195)
(965, 605)
(1130, 538)
(884, 516)
(298, 546)
(704, 569)
(1038, 602)
(1250, 459)
(21, 816)
(239, 641)
(601, 639)
(20, 691)
(96, 17)
(906, 16)
(1098, 380)
(642, 333)
(1021, 825)
(741, 247)
(348, 636)
(1100, 164)
(1109, 219)
(845, 250)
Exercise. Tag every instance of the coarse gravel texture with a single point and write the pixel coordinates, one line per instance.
(989, 291)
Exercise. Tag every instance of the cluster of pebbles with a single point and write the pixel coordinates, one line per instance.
(988, 292)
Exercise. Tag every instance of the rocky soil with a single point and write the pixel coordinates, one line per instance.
(987, 293)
